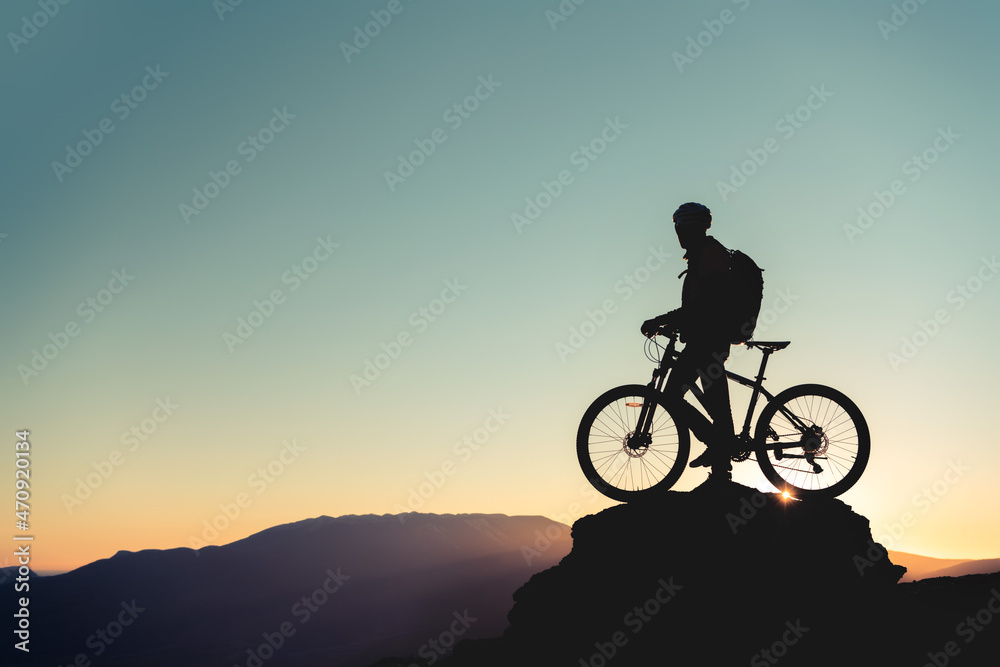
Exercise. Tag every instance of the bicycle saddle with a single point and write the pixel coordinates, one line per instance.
(772, 345)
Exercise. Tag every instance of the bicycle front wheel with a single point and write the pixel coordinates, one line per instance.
(811, 440)
(623, 460)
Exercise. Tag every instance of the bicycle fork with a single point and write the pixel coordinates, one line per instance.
(643, 434)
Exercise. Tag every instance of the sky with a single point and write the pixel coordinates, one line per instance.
(270, 261)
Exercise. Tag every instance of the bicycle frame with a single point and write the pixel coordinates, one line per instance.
(756, 384)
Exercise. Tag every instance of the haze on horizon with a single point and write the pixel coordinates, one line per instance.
(472, 207)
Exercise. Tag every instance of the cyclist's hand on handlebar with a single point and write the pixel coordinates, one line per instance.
(664, 325)
(654, 326)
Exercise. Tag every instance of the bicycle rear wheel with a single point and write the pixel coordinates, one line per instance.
(811, 440)
(619, 460)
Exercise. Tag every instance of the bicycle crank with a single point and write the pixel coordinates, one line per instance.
(743, 451)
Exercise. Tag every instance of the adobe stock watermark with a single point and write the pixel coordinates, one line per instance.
(769, 314)
(438, 647)
(968, 629)
(626, 288)
(104, 468)
(766, 318)
(581, 158)
(786, 126)
(259, 481)
(420, 320)
(302, 610)
(923, 501)
(899, 17)
(464, 449)
(748, 509)
(255, 144)
(635, 620)
(714, 28)
(486, 527)
(31, 25)
(455, 116)
(914, 168)
(779, 648)
(545, 539)
(364, 34)
(122, 107)
(104, 637)
(562, 12)
(264, 309)
(958, 297)
(223, 7)
(87, 310)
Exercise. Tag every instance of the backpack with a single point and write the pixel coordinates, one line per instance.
(747, 292)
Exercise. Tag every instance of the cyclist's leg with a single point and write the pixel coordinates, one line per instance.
(706, 363)
(715, 386)
(681, 379)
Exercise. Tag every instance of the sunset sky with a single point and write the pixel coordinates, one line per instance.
(261, 266)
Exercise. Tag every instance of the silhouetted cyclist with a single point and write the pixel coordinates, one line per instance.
(701, 322)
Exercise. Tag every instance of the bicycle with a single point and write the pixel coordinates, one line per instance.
(810, 440)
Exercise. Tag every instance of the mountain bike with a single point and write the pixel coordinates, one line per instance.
(810, 440)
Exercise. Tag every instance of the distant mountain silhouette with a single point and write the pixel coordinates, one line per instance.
(374, 586)
(733, 576)
(924, 567)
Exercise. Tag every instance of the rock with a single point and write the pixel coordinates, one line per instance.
(721, 575)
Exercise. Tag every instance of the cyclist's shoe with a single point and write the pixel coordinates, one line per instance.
(703, 461)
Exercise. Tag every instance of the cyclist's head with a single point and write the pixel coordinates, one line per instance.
(691, 221)
(694, 215)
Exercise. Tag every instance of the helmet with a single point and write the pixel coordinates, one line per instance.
(693, 214)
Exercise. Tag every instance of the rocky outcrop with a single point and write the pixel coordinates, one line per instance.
(727, 575)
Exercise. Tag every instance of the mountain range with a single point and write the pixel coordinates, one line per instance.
(325, 591)
(489, 589)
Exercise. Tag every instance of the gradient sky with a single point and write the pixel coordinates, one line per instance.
(848, 296)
